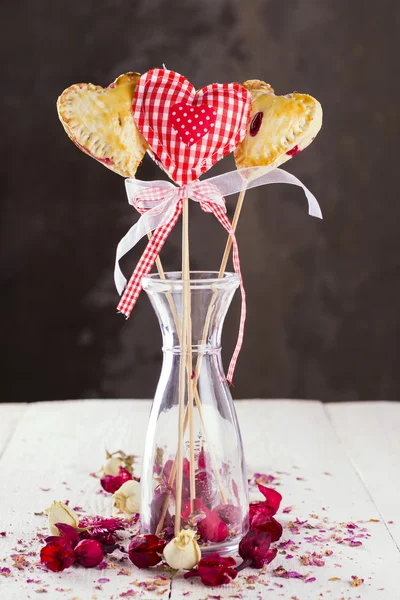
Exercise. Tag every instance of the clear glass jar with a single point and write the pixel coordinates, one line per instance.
(209, 485)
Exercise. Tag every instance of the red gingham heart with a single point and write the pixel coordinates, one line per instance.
(160, 93)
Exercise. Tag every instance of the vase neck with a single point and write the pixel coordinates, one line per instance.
(210, 299)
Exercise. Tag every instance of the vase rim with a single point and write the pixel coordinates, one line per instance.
(198, 279)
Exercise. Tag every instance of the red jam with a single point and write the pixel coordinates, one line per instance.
(295, 150)
(256, 123)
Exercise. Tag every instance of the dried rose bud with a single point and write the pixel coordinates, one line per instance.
(58, 554)
(89, 553)
(58, 512)
(146, 550)
(127, 497)
(183, 551)
(111, 484)
(112, 465)
(255, 550)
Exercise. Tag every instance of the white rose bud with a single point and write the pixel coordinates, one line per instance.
(112, 465)
(127, 498)
(183, 551)
(58, 512)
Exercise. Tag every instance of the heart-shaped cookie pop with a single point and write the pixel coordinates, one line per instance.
(189, 131)
(280, 126)
(100, 122)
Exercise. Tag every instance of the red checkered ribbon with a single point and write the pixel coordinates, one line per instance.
(152, 201)
(160, 205)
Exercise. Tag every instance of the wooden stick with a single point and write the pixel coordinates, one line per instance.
(229, 241)
(194, 382)
(182, 365)
(189, 371)
(194, 391)
(220, 275)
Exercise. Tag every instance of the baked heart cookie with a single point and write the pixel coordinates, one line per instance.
(280, 126)
(100, 122)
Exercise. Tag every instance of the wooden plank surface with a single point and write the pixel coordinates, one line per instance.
(10, 414)
(57, 445)
(370, 434)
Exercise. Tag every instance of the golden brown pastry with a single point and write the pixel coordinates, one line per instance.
(100, 122)
(280, 126)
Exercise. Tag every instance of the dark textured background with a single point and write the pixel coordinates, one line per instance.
(323, 297)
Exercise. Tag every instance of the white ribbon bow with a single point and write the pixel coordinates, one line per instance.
(157, 200)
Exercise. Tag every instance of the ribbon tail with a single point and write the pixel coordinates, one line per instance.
(226, 224)
(145, 264)
(151, 220)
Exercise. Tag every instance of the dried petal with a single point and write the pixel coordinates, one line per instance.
(214, 570)
(271, 503)
(230, 514)
(254, 548)
(266, 523)
(146, 550)
(212, 528)
(58, 555)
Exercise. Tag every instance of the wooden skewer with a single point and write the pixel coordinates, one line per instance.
(194, 381)
(182, 365)
(222, 268)
(186, 420)
(189, 371)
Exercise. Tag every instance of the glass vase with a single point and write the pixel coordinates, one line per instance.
(202, 485)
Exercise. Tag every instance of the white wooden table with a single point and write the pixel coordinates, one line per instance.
(337, 467)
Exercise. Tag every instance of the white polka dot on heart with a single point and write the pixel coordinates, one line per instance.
(205, 130)
(196, 116)
(194, 127)
(185, 114)
(208, 118)
(178, 120)
(182, 127)
(174, 113)
(186, 133)
(180, 108)
(191, 139)
(198, 135)
(202, 110)
(189, 120)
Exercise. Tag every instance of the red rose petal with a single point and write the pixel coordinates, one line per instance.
(58, 555)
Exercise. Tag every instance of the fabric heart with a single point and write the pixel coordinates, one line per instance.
(189, 131)
(192, 122)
